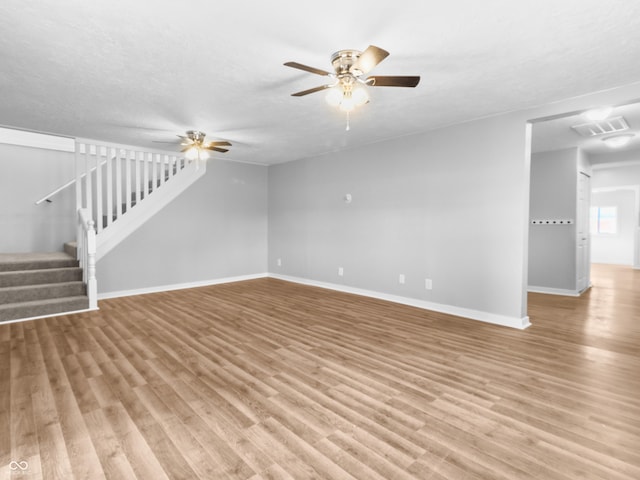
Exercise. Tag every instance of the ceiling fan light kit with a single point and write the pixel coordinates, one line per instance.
(347, 97)
(349, 89)
(196, 153)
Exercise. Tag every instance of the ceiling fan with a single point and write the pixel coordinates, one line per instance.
(350, 68)
(194, 145)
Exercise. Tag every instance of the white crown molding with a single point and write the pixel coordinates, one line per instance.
(503, 320)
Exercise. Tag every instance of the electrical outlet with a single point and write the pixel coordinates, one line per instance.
(279, 262)
(428, 284)
(340, 271)
(401, 279)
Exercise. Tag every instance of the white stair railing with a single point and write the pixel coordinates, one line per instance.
(115, 178)
(116, 185)
(86, 244)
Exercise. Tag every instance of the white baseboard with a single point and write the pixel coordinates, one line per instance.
(179, 286)
(513, 322)
(553, 291)
(73, 312)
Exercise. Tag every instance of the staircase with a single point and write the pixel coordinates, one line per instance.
(118, 188)
(40, 284)
(113, 179)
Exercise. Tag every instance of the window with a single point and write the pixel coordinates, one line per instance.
(604, 220)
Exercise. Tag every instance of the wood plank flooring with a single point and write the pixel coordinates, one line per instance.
(270, 380)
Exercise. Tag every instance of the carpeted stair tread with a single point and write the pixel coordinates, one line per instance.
(27, 293)
(71, 248)
(36, 277)
(35, 261)
(37, 308)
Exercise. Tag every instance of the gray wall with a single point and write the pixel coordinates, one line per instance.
(447, 205)
(451, 205)
(553, 195)
(26, 175)
(216, 229)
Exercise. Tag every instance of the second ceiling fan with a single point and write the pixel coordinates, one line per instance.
(194, 146)
(350, 68)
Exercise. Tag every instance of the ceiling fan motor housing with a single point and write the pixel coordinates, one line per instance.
(196, 135)
(343, 60)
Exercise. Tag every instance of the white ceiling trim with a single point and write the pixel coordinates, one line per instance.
(25, 138)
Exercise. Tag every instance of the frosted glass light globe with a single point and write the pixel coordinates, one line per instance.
(360, 96)
(334, 96)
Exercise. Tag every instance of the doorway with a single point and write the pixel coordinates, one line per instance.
(615, 241)
(575, 150)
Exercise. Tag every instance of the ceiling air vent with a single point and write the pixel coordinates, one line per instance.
(602, 127)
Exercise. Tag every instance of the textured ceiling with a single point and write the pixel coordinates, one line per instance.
(136, 72)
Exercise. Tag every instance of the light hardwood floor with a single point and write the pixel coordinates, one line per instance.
(269, 380)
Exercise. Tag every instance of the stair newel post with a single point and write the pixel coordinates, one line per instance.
(92, 285)
(87, 246)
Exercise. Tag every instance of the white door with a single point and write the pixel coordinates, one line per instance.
(583, 257)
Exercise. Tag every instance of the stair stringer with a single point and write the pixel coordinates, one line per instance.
(133, 218)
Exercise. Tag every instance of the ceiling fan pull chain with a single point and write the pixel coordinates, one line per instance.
(348, 126)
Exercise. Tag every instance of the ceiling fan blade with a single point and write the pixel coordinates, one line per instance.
(311, 90)
(217, 149)
(185, 149)
(384, 81)
(368, 59)
(217, 144)
(306, 68)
